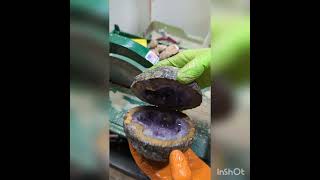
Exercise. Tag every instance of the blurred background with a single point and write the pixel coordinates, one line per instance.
(89, 77)
(231, 87)
(177, 13)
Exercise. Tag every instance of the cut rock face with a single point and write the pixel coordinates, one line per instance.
(155, 132)
(159, 87)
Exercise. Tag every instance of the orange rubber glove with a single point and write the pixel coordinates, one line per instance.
(181, 166)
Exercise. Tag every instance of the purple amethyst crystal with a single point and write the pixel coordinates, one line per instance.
(155, 132)
(159, 87)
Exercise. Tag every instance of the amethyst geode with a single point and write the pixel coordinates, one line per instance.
(155, 132)
(159, 87)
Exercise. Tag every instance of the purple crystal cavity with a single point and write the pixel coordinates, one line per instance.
(162, 125)
(169, 94)
(160, 87)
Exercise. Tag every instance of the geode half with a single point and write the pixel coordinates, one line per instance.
(155, 132)
(159, 87)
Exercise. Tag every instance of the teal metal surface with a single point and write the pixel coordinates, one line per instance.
(117, 30)
(122, 99)
(128, 43)
(130, 61)
(123, 70)
(126, 47)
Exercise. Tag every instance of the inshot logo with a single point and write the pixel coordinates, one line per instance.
(230, 172)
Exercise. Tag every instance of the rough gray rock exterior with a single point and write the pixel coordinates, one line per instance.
(157, 153)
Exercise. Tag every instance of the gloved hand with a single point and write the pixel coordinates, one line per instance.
(194, 64)
(231, 41)
(181, 166)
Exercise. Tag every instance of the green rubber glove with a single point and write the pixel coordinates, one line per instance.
(194, 66)
(230, 44)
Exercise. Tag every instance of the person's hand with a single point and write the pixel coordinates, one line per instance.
(181, 166)
(230, 48)
(194, 66)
